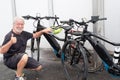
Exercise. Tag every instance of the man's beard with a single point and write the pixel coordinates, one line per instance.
(18, 30)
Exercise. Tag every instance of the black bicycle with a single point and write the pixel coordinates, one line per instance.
(110, 64)
(73, 55)
(94, 62)
(35, 43)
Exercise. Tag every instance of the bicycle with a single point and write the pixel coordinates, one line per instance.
(70, 55)
(112, 67)
(55, 45)
(94, 62)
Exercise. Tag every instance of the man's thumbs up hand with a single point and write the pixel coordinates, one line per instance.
(13, 39)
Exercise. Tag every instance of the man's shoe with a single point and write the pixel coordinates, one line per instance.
(19, 78)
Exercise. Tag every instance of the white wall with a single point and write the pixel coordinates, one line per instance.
(112, 24)
(75, 9)
(5, 18)
(33, 7)
(72, 9)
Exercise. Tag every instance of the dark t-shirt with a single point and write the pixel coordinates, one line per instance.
(19, 46)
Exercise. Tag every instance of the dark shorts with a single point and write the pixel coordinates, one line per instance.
(13, 61)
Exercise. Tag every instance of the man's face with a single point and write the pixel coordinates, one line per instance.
(18, 26)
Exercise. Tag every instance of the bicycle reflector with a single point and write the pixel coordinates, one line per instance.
(56, 30)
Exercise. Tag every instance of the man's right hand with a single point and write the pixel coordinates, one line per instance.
(6, 46)
(13, 39)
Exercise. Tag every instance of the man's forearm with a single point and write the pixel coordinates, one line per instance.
(37, 34)
(5, 48)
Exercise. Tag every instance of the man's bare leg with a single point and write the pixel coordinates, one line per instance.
(21, 64)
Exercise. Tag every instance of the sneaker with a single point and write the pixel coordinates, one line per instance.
(19, 78)
(22, 74)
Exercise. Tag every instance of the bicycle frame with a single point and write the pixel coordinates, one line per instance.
(100, 49)
(103, 52)
(39, 27)
(55, 45)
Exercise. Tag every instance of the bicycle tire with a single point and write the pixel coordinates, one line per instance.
(35, 49)
(75, 71)
(94, 62)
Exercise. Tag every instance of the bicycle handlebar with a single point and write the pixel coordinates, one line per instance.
(93, 20)
(39, 18)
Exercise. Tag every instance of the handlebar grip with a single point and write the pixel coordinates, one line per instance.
(94, 19)
(28, 17)
(103, 19)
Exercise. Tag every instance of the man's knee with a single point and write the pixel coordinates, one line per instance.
(39, 68)
(24, 57)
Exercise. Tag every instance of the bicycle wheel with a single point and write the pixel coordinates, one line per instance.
(35, 50)
(74, 62)
(94, 62)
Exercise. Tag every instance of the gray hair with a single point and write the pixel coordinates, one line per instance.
(17, 18)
